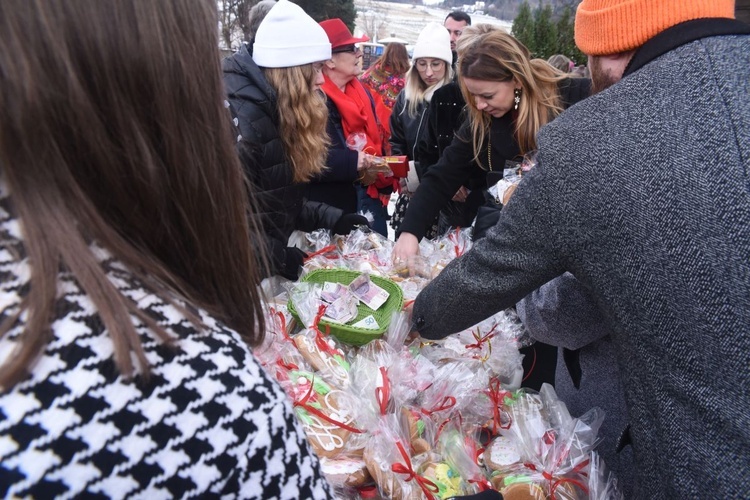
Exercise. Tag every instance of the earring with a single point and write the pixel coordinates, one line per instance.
(516, 98)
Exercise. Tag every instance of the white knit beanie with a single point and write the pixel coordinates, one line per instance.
(434, 41)
(289, 37)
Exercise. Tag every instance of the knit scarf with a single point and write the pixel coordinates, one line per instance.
(356, 113)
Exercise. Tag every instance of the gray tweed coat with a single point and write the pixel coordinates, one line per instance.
(643, 193)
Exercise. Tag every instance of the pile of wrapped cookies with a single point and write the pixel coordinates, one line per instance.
(392, 415)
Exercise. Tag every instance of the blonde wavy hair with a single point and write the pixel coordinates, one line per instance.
(302, 119)
(490, 54)
(416, 90)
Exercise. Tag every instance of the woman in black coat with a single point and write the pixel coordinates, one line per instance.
(509, 97)
(281, 116)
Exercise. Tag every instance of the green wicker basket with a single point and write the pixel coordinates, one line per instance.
(349, 334)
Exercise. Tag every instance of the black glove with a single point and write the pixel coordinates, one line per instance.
(347, 222)
(293, 260)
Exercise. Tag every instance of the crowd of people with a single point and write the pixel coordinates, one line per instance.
(148, 187)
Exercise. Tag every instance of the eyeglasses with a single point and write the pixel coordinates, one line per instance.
(346, 48)
(435, 65)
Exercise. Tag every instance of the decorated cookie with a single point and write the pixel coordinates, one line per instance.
(327, 424)
(447, 480)
(324, 356)
(502, 454)
(346, 471)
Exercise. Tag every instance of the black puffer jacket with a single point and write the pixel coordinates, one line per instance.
(406, 130)
(280, 201)
(336, 186)
(447, 112)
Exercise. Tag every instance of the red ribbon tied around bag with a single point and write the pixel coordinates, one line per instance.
(383, 393)
(454, 239)
(497, 395)
(447, 403)
(303, 403)
(555, 483)
(320, 338)
(322, 251)
(481, 339)
(429, 488)
(282, 323)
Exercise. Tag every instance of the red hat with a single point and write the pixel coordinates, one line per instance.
(339, 35)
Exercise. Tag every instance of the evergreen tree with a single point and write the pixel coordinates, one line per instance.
(320, 10)
(566, 44)
(523, 27)
(545, 33)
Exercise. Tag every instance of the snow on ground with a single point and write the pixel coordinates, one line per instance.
(405, 20)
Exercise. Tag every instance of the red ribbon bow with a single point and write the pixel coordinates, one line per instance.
(554, 484)
(447, 403)
(481, 339)
(429, 488)
(303, 403)
(497, 395)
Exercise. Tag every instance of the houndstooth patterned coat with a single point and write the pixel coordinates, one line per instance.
(209, 423)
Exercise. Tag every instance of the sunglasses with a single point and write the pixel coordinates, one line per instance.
(346, 48)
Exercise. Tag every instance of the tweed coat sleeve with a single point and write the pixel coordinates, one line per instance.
(517, 256)
(562, 313)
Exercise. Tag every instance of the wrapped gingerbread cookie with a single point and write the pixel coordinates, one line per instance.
(326, 414)
(461, 451)
(557, 456)
(345, 473)
(392, 465)
(323, 353)
(371, 384)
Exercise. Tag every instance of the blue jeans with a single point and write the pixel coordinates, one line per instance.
(379, 213)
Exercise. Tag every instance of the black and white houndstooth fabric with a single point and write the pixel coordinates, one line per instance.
(210, 421)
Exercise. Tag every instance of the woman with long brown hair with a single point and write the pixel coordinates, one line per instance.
(274, 88)
(128, 290)
(509, 98)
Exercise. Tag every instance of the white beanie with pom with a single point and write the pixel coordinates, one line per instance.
(434, 41)
(288, 37)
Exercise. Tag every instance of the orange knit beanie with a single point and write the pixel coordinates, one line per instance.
(606, 27)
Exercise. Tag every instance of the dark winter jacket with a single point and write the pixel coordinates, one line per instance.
(445, 117)
(407, 129)
(563, 312)
(447, 112)
(642, 193)
(280, 201)
(336, 186)
(457, 167)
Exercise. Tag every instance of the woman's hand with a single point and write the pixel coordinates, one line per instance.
(407, 246)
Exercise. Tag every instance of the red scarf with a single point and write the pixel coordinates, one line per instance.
(357, 115)
(356, 112)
